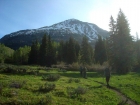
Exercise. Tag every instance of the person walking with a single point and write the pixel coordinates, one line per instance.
(85, 72)
(107, 75)
(81, 70)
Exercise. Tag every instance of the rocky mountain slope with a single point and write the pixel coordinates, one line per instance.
(59, 31)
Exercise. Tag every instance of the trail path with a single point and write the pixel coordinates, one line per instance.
(124, 99)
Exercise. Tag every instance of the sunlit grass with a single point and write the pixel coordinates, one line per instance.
(95, 94)
(127, 84)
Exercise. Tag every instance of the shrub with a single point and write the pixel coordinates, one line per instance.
(77, 80)
(80, 90)
(47, 87)
(70, 80)
(60, 94)
(1, 87)
(17, 84)
(10, 69)
(9, 93)
(49, 99)
(51, 77)
(75, 92)
(71, 92)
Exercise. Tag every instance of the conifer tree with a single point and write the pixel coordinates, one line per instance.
(43, 51)
(34, 53)
(100, 51)
(50, 54)
(86, 54)
(120, 46)
(71, 52)
(112, 26)
(137, 49)
(60, 55)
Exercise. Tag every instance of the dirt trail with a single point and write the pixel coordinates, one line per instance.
(124, 99)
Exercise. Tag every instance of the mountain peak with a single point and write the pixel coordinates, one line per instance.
(58, 31)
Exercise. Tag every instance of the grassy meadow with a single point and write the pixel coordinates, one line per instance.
(60, 87)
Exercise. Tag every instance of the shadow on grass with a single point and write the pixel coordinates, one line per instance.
(69, 74)
(95, 87)
(77, 74)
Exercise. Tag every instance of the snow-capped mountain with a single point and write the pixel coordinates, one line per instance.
(59, 31)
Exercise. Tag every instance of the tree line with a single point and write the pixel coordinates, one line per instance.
(120, 50)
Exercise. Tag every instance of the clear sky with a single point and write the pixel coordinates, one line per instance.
(18, 15)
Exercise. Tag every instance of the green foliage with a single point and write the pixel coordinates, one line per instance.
(47, 87)
(34, 53)
(75, 80)
(137, 53)
(51, 77)
(17, 84)
(70, 80)
(75, 92)
(86, 52)
(21, 55)
(47, 52)
(80, 90)
(68, 51)
(9, 93)
(60, 94)
(5, 54)
(100, 51)
(1, 87)
(49, 99)
(120, 46)
(89, 91)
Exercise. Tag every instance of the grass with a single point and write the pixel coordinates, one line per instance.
(128, 84)
(78, 91)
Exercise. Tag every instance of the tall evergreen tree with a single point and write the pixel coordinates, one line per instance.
(71, 52)
(68, 51)
(86, 54)
(43, 51)
(137, 49)
(100, 51)
(112, 26)
(120, 46)
(50, 54)
(60, 53)
(34, 53)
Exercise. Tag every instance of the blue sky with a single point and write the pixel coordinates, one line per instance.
(18, 15)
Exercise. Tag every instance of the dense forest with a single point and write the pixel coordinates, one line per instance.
(120, 50)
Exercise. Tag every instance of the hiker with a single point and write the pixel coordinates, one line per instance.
(81, 70)
(107, 75)
(85, 72)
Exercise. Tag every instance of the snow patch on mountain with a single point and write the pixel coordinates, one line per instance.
(68, 26)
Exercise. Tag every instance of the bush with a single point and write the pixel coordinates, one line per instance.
(48, 100)
(60, 94)
(77, 80)
(17, 84)
(10, 69)
(1, 87)
(75, 92)
(9, 93)
(70, 80)
(80, 90)
(47, 87)
(51, 77)
(71, 92)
